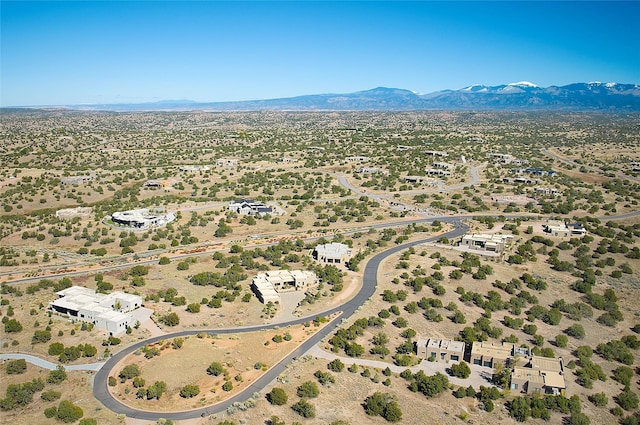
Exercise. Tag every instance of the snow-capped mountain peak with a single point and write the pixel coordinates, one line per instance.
(523, 84)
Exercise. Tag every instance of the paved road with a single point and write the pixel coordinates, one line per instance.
(118, 266)
(48, 365)
(101, 392)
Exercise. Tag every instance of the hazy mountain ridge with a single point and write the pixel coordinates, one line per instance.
(513, 96)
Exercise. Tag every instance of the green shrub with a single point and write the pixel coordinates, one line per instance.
(277, 396)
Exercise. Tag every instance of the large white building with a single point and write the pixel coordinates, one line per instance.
(485, 242)
(332, 253)
(267, 285)
(110, 312)
(141, 219)
(249, 207)
(562, 229)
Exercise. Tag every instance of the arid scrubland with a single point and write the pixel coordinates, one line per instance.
(368, 180)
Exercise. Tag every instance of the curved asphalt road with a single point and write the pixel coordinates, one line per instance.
(47, 364)
(101, 392)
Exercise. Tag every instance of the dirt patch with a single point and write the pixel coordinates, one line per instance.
(245, 357)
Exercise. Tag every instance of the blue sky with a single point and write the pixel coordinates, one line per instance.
(55, 53)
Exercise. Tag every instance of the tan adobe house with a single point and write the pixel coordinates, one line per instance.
(488, 354)
(440, 350)
(268, 286)
(540, 376)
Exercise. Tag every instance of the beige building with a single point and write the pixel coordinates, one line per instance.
(268, 286)
(485, 242)
(540, 376)
(488, 354)
(440, 350)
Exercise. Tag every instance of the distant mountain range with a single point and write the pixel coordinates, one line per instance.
(521, 96)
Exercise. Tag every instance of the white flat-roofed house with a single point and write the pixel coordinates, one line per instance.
(334, 253)
(357, 158)
(141, 218)
(485, 242)
(193, 168)
(499, 156)
(369, 170)
(437, 172)
(551, 191)
(113, 322)
(436, 153)
(249, 207)
(419, 180)
(561, 229)
(154, 184)
(110, 312)
(443, 165)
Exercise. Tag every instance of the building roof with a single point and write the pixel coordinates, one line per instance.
(489, 238)
(444, 344)
(497, 351)
(125, 297)
(554, 379)
(528, 374)
(546, 364)
(77, 297)
(333, 250)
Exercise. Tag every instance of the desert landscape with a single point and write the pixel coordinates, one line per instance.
(509, 229)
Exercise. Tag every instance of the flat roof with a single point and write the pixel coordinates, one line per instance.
(488, 237)
(124, 296)
(528, 374)
(554, 379)
(546, 364)
(502, 351)
(446, 344)
(333, 249)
